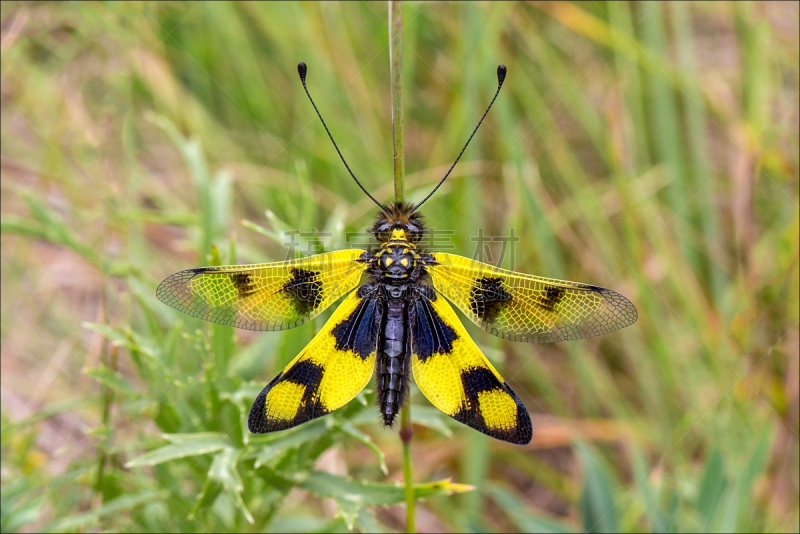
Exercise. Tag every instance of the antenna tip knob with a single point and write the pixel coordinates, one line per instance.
(501, 74)
(302, 69)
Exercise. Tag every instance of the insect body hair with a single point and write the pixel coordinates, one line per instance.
(398, 215)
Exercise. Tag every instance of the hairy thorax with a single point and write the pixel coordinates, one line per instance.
(398, 261)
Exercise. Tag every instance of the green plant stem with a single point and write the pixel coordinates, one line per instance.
(109, 358)
(406, 432)
(396, 60)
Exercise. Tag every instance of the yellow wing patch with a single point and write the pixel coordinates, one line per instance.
(456, 377)
(522, 307)
(268, 296)
(285, 400)
(333, 368)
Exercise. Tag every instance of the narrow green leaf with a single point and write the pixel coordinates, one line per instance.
(730, 513)
(271, 234)
(668, 141)
(223, 470)
(598, 505)
(10, 224)
(109, 378)
(87, 519)
(182, 446)
(232, 249)
(289, 522)
(197, 437)
(348, 510)
(215, 257)
(211, 490)
(712, 487)
(221, 200)
(108, 332)
(57, 231)
(475, 466)
(697, 146)
(517, 512)
(223, 346)
(192, 153)
(367, 522)
(740, 492)
(353, 432)
(650, 494)
(171, 217)
(289, 440)
(756, 464)
(244, 395)
(222, 343)
(18, 514)
(120, 338)
(196, 161)
(326, 485)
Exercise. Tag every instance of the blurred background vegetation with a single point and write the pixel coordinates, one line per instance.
(649, 148)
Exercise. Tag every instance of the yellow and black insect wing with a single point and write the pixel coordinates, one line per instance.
(456, 377)
(333, 368)
(522, 307)
(268, 296)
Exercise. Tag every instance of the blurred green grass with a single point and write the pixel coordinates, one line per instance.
(649, 148)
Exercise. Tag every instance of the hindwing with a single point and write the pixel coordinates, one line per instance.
(456, 377)
(269, 296)
(522, 307)
(333, 368)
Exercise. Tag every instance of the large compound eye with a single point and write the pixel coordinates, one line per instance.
(383, 231)
(414, 233)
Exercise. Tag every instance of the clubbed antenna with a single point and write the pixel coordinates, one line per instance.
(501, 76)
(302, 69)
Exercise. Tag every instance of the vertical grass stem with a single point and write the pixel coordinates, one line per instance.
(396, 58)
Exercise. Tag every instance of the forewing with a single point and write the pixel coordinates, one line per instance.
(269, 296)
(456, 377)
(327, 374)
(522, 307)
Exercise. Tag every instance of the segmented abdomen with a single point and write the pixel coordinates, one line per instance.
(392, 374)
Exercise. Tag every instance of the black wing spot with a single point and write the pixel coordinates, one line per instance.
(305, 373)
(431, 335)
(243, 283)
(479, 380)
(476, 380)
(487, 299)
(359, 331)
(305, 291)
(552, 296)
